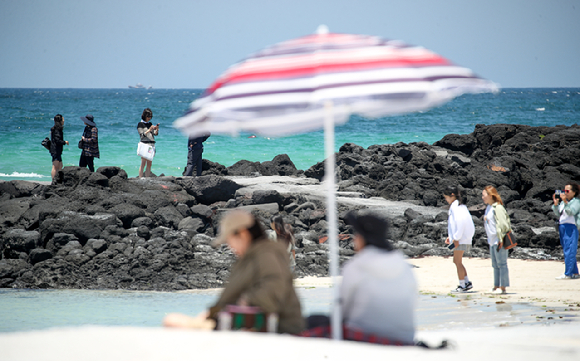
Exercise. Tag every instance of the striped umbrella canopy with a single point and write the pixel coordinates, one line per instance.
(282, 89)
(318, 81)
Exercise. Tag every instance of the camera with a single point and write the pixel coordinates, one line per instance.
(558, 192)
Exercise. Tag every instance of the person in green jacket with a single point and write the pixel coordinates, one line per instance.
(568, 209)
(497, 223)
(261, 276)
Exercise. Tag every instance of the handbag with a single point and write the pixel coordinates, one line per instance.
(81, 144)
(146, 151)
(509, 240)
(46, 143)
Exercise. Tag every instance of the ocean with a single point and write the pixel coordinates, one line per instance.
(26, 116)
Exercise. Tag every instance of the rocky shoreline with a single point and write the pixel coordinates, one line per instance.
(103, 230)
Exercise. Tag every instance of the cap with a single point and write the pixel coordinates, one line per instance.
(373, 228)
(232, 222)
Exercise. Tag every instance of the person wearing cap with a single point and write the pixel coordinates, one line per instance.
(90, 143)
(261, 276)
(378, 293)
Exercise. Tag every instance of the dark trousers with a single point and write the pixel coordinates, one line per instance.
(194, 161)
(87, 161)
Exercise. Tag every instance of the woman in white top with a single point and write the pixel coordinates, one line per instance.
(460, 229)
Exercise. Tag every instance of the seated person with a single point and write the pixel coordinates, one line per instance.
(260, 277)
(378, 292)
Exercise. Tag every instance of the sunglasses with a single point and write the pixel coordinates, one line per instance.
(567, 191)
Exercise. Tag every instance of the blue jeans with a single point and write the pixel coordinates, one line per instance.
(501, 274)
(569, 242)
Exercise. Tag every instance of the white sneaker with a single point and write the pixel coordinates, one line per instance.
(563, 277)
(498, 291)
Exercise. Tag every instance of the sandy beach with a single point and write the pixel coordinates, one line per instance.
(531, 282)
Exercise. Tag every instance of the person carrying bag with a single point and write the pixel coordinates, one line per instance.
(497, 224)
(146, 147)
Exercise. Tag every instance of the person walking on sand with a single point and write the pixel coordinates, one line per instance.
(460, 229)
(497, 223)
(56, 143)
(147, 133)
(90, 143)
(194, 153)
(568, 209)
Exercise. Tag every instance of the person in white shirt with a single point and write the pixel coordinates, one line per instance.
(460, 230)
(378, 293)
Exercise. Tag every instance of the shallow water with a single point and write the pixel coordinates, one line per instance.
(25, 310)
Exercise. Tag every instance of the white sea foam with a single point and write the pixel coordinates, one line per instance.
(23, 175)
(540, 109)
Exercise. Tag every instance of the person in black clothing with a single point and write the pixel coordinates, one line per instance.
(194, 152)
(90, 143)
(56, 143)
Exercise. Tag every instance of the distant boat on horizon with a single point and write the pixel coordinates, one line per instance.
(139, 86)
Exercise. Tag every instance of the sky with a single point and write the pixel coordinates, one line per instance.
(189, 43)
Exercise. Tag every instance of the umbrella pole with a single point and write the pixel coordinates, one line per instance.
(336, 319)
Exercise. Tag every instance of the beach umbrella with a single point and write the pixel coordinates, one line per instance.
(318, 81)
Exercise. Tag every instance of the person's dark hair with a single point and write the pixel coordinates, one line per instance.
(283, 231)
(454, 191)
(256, 231)
(373, 228)
(58, 124)
(575, 189)
(147, 113)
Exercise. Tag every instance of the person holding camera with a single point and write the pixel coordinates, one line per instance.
(497, 223)
(460, 229)
(568, 209)
(147, 133)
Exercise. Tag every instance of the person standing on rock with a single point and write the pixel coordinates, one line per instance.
(90, 143)
(282, 232)
(261, 277)
(497, 223)
(56, 143)
(194, 153)
(568, 209)
(147, 133)
(460, 229)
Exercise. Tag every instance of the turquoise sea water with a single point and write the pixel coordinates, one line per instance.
(26, 116)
